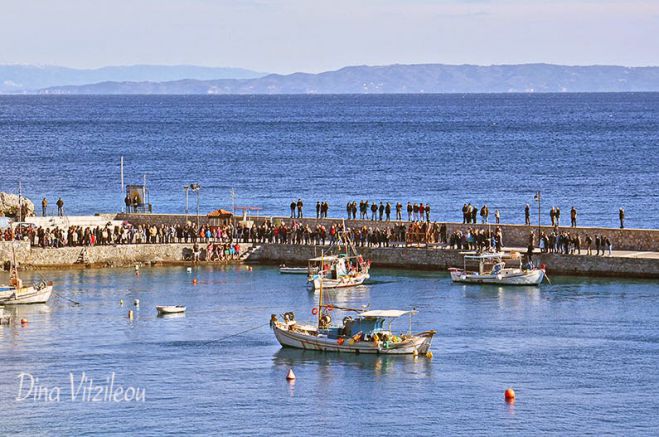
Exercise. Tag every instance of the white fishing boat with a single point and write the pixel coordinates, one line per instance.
(15, 293)
(293, 270)
(369, 332)
(497, 268)
(361, 331)
(170, 309)
(340, 266)
(340, 271)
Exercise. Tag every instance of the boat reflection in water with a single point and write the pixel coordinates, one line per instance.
(326, 364)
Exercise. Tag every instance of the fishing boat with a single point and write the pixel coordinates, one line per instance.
(339, 267)
(339, 271)
(170, 309)
(497, 268)
(361, 331)
(15, 293)
(293, 270)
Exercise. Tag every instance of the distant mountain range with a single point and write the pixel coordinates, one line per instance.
(32, 78)
(421, 78)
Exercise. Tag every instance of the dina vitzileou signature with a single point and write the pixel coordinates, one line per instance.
(79, 388)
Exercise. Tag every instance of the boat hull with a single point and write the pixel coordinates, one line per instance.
(293, 270)
(26, 295)
(418, 344)
(520, 277)
(343, 282)
(170, 309)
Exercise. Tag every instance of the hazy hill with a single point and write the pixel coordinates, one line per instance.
(30, 78)
(423, 78)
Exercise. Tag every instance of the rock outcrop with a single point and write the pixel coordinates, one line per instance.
(9, 205)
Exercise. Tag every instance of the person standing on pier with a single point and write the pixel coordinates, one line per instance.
(317, 210)
(573, 217)
(410, 209)
(621, 214)
(589, 243)
(415, 211)
(127, 202)
(399, 211)
(552, 216)
(60, 207)
(497, 216)
(293, 209)
(349, 209)
(598, 244)
(299, 205)
(374, 210)
(381, 210)
(44, 206)
(387, 211)
(474, 211)
(485, 212)
(527, 214)
(428, 212)
(558, 216)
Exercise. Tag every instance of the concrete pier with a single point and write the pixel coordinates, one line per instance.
(635, 255)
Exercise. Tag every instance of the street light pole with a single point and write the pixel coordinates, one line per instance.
(186, 188)
(196, 188)
(538, 198)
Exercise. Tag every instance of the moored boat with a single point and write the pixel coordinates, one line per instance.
(15, 293)
(170, 309)
(360, 331)
(340, 266)
(367, 333)
(293, 270)
(499, 269)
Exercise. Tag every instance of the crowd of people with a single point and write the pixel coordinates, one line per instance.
(571, 244)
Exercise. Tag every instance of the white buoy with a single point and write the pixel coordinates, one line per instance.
(121, 302)
(137, 302)
(189, 270)
(137, 267)
(290, 376)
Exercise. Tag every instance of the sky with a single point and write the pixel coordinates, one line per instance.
(284, 36)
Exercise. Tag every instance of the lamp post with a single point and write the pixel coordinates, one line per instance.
(538, 198)
(195, 188)
(186, 188)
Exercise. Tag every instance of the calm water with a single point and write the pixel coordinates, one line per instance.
(581, 354)
(597, 152)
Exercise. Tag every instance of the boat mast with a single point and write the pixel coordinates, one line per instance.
(320, 289)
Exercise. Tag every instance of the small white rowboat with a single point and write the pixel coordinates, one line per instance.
(170, 309)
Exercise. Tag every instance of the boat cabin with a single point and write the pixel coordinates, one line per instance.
(489, 263)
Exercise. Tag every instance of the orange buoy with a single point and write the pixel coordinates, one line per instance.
(24, 322)
(290, 376)
(194, 281)
(509, 395)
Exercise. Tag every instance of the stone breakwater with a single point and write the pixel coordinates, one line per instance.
(625, 265)
(441, 260)
(513, 235)
(97, 256)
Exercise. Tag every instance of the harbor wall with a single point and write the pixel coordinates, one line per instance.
(399, 257)
(513, 235)
(97, 256)
(518, 235)
(442, 259)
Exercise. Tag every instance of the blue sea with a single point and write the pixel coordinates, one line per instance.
(581, 355)
(597, 152)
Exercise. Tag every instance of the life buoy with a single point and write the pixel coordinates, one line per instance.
(314, 311)
(330, 307)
